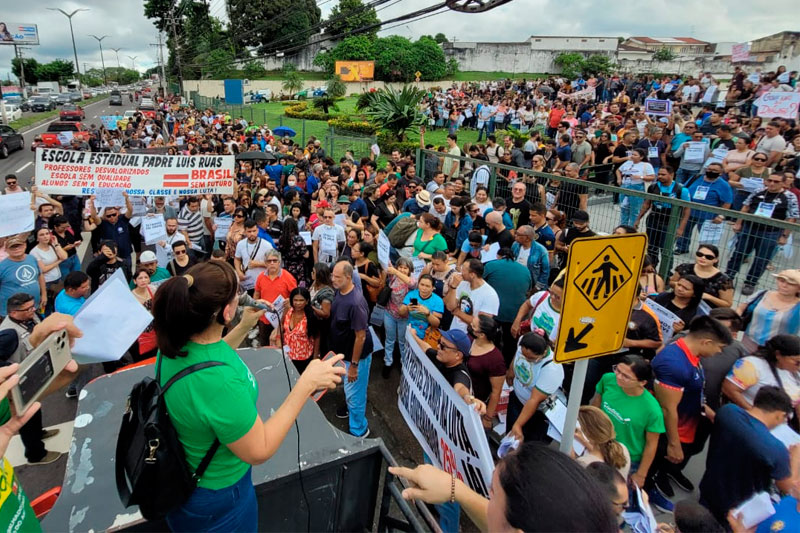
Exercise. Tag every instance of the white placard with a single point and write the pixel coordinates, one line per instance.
(419, 265)
(754, 78)
(666, 317)
(223, 225)
(111, 319)
(752, 184)
(376, 150)
(384, 247)
(778, 104)
(711, 233)
(139, 205)
(339, 220)
(695, 152)
(109, 197)
(755, 510)
(273, 317)
(154, 229)
(17, 214)
(306, 235)
(61, 171)
(491, 253)
(457, 443)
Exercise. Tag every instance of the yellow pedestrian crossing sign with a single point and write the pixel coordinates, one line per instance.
(601, 282)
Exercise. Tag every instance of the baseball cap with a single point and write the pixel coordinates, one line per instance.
(323, 204)
(460, 339)
(423, 198)
(580, 215)
(16, 240)
(791, 275)
(147, 257)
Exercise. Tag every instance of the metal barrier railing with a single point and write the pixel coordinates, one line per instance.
(606, 215)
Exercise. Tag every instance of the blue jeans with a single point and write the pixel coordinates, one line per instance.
(356, 395)
(71, 264)
(449, 513)
(233, 508)
(629, 206)
(395, 333)
(682, 246)
(761, 240)
(683, 175)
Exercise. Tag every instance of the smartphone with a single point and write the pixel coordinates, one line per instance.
(414, 301)
(320, 393)
(39, 369)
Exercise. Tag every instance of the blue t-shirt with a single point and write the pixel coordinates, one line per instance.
(18, 276)
(714, 193)
(274, 173)
(564, 153)
(743, 459)
(785, 519)
(418, 321)
(546, 237)
(467, 248)
(67, 304)
(676, 367)
(360, 207)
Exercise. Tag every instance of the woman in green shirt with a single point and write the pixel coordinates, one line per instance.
(428, 239)
(190, 313)
(634, 411)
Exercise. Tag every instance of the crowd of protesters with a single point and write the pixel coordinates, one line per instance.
(303, 229)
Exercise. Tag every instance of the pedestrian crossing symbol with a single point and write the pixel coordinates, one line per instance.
(603, 278)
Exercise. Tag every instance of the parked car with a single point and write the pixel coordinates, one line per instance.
(10, 140)
(71, 112)
(41, 103)
(13, 113)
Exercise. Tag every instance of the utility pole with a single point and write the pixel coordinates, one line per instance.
(102, 60)
(176, 49)
(72, 33)
(18, 55)
(160, 45)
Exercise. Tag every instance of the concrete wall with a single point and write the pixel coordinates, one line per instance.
(508, 57)
(588, 44)
(303, 59)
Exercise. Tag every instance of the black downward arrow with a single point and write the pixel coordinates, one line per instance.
(574, 342)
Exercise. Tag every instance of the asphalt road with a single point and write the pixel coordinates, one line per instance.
(21, 162)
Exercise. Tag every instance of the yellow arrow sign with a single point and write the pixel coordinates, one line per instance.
(601, 283)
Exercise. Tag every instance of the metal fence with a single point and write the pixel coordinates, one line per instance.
(754, 246)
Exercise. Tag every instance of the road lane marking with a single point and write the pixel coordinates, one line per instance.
(23, 167)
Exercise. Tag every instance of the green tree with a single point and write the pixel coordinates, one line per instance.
(428, 59)
(597, 64)
(349, 15)
(356, 48)
(292, 82)
(336, 87)
(571, 64)
(394, 59)
(273, 25)
(440, 38)
(219, 64)
(57, 70)
(397, 112)
(30, 65)
(664, 54)
(254, 69)
(452, 67)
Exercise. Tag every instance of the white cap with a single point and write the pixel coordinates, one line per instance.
(147, 257)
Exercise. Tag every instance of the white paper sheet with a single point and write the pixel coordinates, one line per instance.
(786, 435)
(491, 253)
(306, 235)
(109, 197)
(154, 229)
(17, 216)
(223, 225)
(755, 510)
(111, 319)
(384, 247)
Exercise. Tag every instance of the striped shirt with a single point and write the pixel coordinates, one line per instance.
(767, 323)
(192, 223)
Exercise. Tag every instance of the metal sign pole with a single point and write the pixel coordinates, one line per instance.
(573, 404)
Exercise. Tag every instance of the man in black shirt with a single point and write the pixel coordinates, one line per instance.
(105, 264)
(497, 230)
(579, 228)
(518, 207)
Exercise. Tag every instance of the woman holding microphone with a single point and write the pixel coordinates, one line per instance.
(190, 313)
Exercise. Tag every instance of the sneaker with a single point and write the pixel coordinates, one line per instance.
(386, 372)
(342, 411)
(662, 483)
(71, 393)
(747, 290)
(659, 501)
(50, 433)
(50, 457)
(681, 480)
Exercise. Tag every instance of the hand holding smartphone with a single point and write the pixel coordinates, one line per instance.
(320, 393)
(39, 369)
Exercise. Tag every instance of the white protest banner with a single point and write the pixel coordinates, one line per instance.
(653, 106)
(110, 197)
(384, 248)
(695, 152)
(449, 431)
(778, 104)
(740, 52)
(80, 173)
(111, 319)
(306, 235)
(223, 225)
(154, 229)
(17, 214)
(666, 317)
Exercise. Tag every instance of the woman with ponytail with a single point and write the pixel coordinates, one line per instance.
(217, 405)
(597, 434)
(486, 365)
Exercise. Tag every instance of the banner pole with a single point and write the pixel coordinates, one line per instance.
(573, 404)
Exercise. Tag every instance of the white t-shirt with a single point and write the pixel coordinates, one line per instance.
(166, 254)
(245, 250)
(207, 210)
(47, 257)
(522, 257)
(630, 169)
(544, 315)
(544, 375)
(484, 300)
(329, 238)
(752, 372)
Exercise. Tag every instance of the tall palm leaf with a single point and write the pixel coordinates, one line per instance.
(397, 112)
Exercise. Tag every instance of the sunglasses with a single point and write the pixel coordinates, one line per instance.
(238, 216)
(710, 257)
(759, 159)
(11, 183)
(179, 252)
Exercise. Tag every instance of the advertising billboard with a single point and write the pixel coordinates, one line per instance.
(18, 33)
(355, 70)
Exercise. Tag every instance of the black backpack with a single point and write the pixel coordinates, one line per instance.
(151, 467)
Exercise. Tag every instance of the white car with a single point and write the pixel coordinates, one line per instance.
(13, 113)
(129, 113)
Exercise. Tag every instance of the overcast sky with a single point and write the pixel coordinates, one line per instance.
(127, 28)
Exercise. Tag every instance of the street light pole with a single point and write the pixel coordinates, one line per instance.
(133, 61)
(119, 68)
(102, 60)
(72, 33)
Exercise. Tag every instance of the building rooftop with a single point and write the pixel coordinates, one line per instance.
(668, 40)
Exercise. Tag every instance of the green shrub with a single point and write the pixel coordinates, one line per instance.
(356, 126)
(388, 142)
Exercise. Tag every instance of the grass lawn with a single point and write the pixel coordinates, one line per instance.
(32, 119)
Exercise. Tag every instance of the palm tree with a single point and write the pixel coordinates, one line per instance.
(292, 82)
(397, 112)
